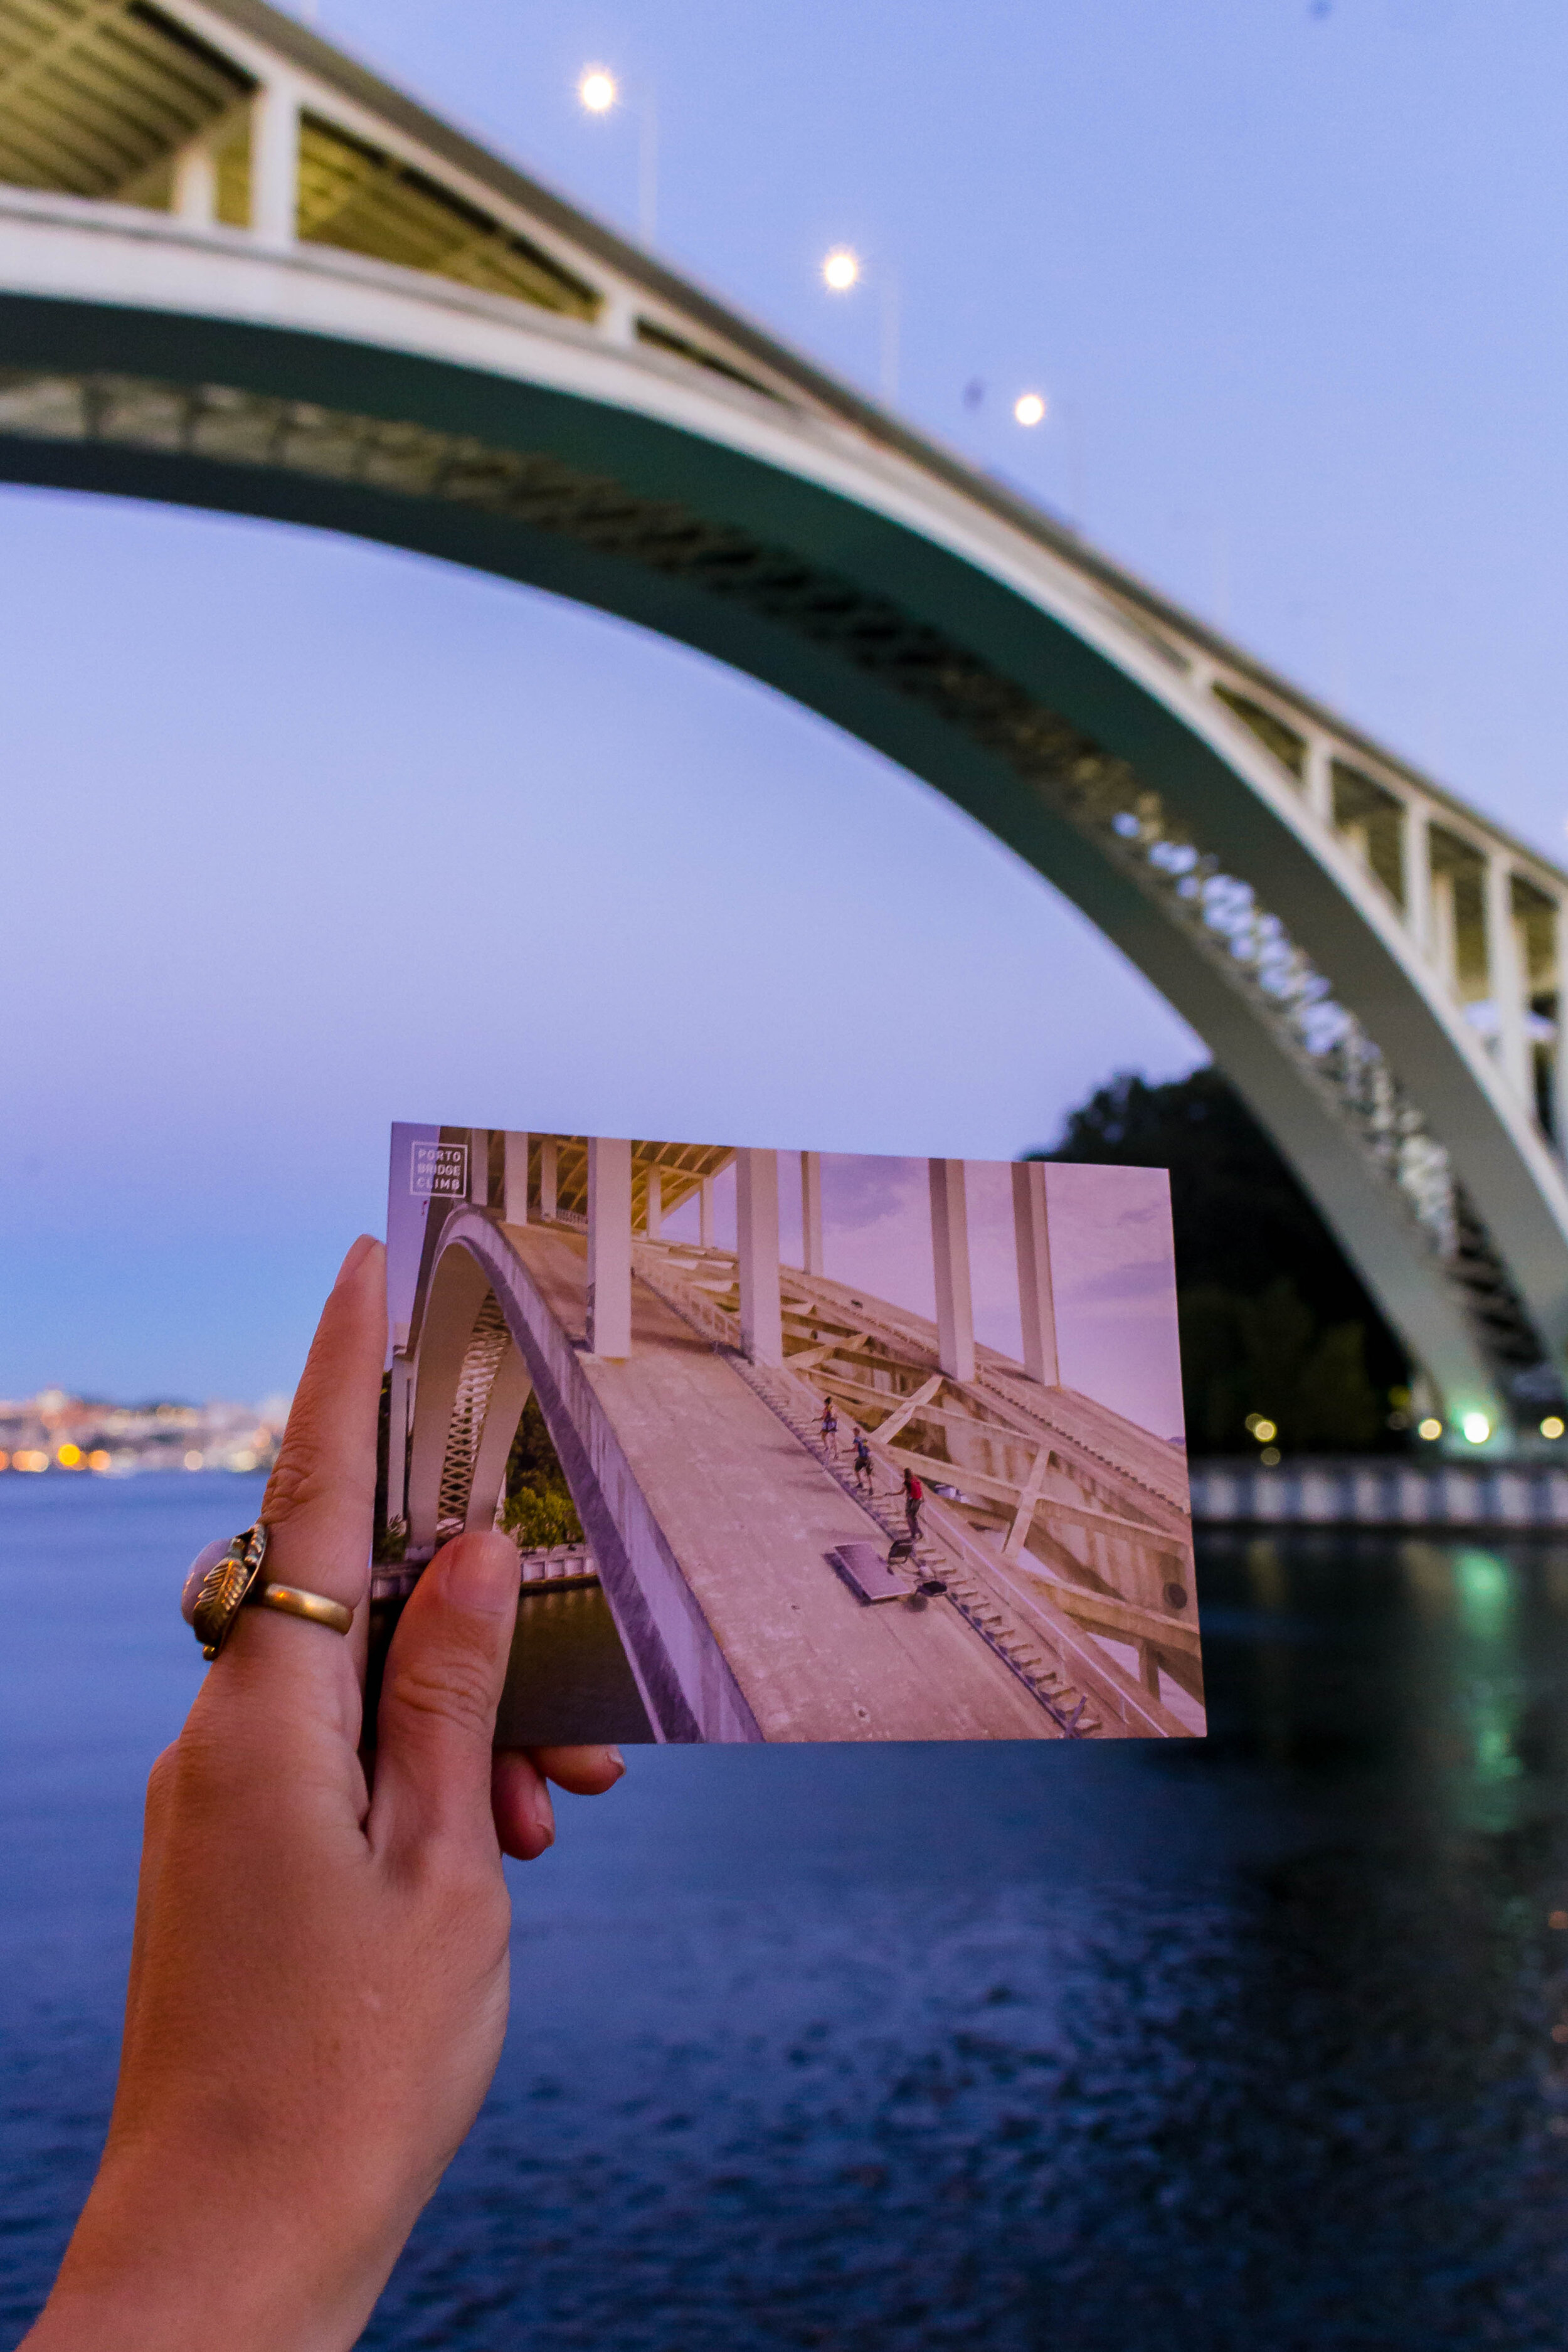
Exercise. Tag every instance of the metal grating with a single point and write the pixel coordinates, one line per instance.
(486, 1347)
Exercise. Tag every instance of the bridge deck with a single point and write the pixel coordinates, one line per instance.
(750, 1516)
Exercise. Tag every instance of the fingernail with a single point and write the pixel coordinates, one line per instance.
(616, 1759)
(480, 1573)
(355, 1256)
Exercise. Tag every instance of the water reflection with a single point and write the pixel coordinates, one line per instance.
(1259, 2041)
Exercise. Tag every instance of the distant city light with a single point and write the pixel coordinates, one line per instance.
(98, 1460)
(1269, 1456)
(1429, 1428)
(68, 1457)
(192, 1461)
(841, 269)
(1554, 1425)
(1029, 408)
(597, 90)
(1476, 1428)
(1258, 1425)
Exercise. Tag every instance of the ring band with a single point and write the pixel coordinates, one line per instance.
(295, 1603)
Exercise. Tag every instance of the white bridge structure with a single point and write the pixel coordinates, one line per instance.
(237, 271)
(740, 1553)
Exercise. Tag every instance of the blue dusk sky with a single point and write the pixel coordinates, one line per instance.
(303, 837)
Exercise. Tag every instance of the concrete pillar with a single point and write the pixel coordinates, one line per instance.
(514, 1200)
(1415, 871)
(397, 1440)
(1037, 1299)
(194, 197)
(549, 1165)
(950, 1252)
(479, 1167)
(757, 1239)
(654, 1221)
(1506, 977)
(275, 163)
(609, 1246)
(1442, 931)
(811, 1211)
(1318, 778)
(705, 1212)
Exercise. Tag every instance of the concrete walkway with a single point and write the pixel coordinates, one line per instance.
(750, 1518)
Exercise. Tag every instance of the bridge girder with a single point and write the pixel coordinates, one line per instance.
(1307, 902)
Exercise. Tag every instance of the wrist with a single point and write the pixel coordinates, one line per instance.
(168, 2274)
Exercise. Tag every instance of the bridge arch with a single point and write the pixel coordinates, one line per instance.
(571, 416)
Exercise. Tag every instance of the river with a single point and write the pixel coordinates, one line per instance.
(1239, 2043)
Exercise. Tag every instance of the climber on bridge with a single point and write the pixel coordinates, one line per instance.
(829, 1431)
(864, 1473)
(914, 1503)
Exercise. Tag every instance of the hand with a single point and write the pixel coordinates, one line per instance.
(319, 1985)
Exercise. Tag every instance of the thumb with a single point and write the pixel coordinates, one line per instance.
(439, 1698)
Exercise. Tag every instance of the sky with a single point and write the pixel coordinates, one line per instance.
(303, 836)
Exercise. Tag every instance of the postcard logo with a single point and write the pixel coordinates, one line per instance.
(439, 1171)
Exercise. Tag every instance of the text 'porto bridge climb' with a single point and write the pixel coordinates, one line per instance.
(236, 271)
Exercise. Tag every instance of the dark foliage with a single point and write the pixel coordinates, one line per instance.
(1274, 1319)
(539, 1509)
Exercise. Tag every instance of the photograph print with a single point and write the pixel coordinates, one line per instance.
(796, 1446)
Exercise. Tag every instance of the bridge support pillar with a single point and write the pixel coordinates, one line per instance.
(1036, 1299)
(548, 1166)
(275, 163)
(1506, 976)
(195, 186)
(705, 1212)
(609, 1246)
(479, 1167)
(1416, 871)
(811, 1211)
(398, 1384)
(653, 1220)
(757, 1241)
(514, 1188)
(950, 1252)
(1318, 779)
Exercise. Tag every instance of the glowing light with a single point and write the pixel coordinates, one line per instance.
(1259, 1426)
(68, 1457)
(1476, 1428)
(1554, 1425)
(98, 1460)
(5, 1459)
(1269, 1456)
(1029, 408)
(30, 1458)
(841, 269)
(1429, 1428)
(1558, 1920)
(597, 90)
(192, 1461)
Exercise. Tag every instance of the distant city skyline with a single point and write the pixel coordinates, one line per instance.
(1277, 275)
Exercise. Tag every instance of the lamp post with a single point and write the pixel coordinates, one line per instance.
(599, 92)
(842, 270)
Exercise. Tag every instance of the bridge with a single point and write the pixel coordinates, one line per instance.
(239, 272)
(743, 1559)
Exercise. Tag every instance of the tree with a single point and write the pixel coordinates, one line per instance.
(1275, 1321)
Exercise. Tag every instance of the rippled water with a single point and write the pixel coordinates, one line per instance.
(1240, 2044)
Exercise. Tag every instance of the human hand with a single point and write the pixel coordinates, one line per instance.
(319, 1977)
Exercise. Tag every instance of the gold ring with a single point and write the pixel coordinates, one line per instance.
(295, 1603)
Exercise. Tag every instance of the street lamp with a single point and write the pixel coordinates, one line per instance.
(599, 92)
(842, 271)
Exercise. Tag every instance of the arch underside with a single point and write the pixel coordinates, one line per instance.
(1004, 709)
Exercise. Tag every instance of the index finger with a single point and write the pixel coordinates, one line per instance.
(319, 1503)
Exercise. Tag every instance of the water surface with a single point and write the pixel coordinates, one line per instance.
(1239, 2043)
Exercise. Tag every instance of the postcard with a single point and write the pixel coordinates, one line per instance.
(795, 1444)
